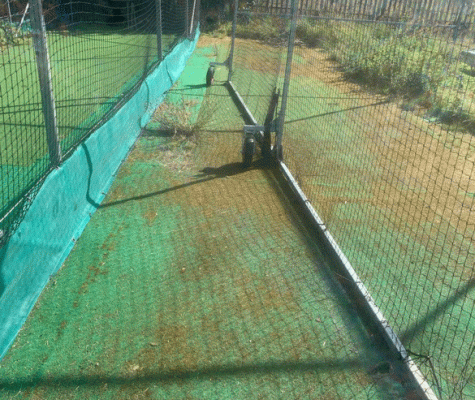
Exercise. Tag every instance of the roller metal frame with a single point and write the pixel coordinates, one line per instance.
(254, 133)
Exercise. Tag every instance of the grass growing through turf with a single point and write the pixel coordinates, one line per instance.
(175, 127)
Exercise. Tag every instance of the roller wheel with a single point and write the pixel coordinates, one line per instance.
(210, 76)
(248, 152)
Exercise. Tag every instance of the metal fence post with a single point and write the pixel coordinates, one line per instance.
(46, 87)
(285, 89)
(158, 12)
(233, 37)
(192, 22)
(187, 18)
(9, 12)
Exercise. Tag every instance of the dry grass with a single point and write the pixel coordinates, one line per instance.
(179, 125)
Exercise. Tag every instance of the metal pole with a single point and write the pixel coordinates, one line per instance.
(24, 14)
(158, 12)
(233, 37)
(9, 11)
(187, 17)
(46, 87)
(192, 19)
(285, 89)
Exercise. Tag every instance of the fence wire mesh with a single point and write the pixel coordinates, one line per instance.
(197, 279)
(97, 53)
(258, 58)
(379, 134)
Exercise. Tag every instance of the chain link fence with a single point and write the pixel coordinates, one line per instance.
(376, 123)
(66, 67)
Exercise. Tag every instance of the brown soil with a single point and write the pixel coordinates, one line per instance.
(426, 170)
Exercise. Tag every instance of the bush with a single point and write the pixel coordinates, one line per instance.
(317, 34)
(10, 35)
(390, 63)
(267, 29)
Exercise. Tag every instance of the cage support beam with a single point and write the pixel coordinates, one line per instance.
(233, 37)
(158, 12)
(46, 86)
(285, 89)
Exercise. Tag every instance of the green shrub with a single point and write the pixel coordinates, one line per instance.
(10, 35)
(390, 63)
(317, 33)
(421, 68)
(266, 29)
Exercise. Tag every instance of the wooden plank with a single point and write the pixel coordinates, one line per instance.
(437, 11)
(266, 7)
(366, 6)
(420, 11)
(398, 9)
(360, 8)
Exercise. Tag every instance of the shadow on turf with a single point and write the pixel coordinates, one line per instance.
(89, 177)
(181, 375)
(379, 103)
(419, 326)
(205, 175)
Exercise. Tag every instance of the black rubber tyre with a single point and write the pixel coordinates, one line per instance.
(248, 152)
(210, 76)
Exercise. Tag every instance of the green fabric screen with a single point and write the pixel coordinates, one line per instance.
(71, 194)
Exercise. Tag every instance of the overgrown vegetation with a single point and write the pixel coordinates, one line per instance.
(179, 122)
(314, 34)
(177, 119)
(419, 67)
(10, 35)
(267, 29)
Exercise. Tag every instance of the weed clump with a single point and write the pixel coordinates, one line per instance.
(181, 120)
(179, 124)
(174, 119)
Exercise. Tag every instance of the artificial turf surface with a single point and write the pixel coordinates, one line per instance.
(196, 279)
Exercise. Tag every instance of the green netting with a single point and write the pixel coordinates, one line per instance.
(369, 139)
(81, 59)
(197, 279)
(70, 195)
